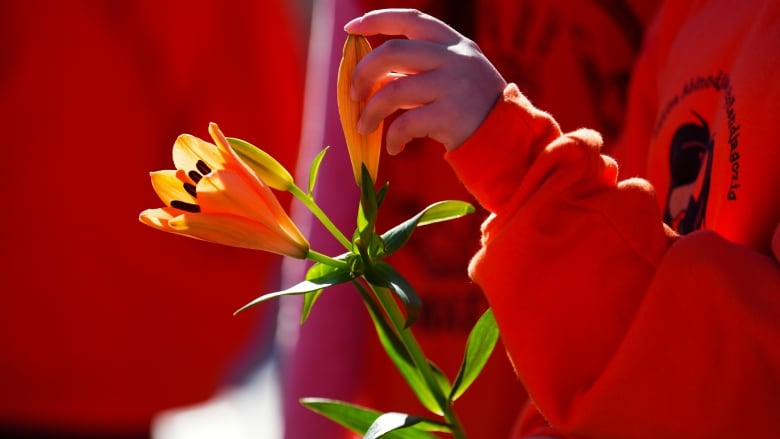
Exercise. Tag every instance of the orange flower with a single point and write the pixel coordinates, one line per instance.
(213, 195)
(363, 149)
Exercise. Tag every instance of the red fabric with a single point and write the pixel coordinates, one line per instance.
(573, 59)
(620, 326)
(105, 321)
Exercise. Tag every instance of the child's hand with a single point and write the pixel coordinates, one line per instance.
(446, 84)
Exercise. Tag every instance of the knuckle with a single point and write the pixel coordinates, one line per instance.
(401, 125)
(392, 45)
(394, 87)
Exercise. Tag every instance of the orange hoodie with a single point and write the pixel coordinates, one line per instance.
(618, 324)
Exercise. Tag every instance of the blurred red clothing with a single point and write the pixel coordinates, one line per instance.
(646, 307)
(105, 321)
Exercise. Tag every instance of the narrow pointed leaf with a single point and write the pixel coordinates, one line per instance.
(368, 207)
(324, 271)
(441, 378)
(388, 422)
(330, 278)
(384, 275)
(444, 211)
(315, 272)
(397, 352)
(308, 303)
(387, 335)
(359, 419)
(380, 194)
(396, 237)
(479, 346)
(315, 169)
(376, 247)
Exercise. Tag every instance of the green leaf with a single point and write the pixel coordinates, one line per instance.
(441, 378)
(479, 346)
(368, 207)
(384, 275)
(393, 421)
(389, 338)
(315, 169)
(331, 277)
(396, 350)
(444, 211)
(324, 271)
(315, 272)
(308, 303)
(359, 419)
(396, 237)
(380, 194)
(376, 246)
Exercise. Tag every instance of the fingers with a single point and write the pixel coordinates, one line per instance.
(439, 106)
(408, 22)
(420, 122)
(400, 93)
(440, 78)
(395, 56)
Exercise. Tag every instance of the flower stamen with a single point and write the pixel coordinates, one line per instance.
(195, 176)
(190, 188)
(202, 167)
(187, 207)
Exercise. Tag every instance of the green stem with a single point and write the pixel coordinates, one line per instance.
(309, 202)
(324, 259)
(419, 359)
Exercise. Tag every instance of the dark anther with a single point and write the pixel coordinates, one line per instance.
(190, 188)
(202, 167)
(195, 176)
(187, 207)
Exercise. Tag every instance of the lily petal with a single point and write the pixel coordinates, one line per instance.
(188, 150)
(169, 187)
(222, 229)
(158, 218)
(230, 158)
(227, 192)
(236, 231)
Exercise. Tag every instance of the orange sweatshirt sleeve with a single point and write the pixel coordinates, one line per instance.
(617, 326)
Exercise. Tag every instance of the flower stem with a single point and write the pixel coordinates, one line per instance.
(310, 204)
(419, 359)
(324, 259)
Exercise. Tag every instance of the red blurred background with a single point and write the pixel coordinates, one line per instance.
(104, 322)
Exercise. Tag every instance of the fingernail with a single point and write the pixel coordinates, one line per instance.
(351, 23)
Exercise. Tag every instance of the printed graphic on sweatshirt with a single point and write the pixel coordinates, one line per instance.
(697, 123)
(690, 164)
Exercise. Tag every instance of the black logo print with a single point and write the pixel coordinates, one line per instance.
(690, 163)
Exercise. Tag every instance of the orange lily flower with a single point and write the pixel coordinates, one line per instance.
(214, 196)
(363, 149)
